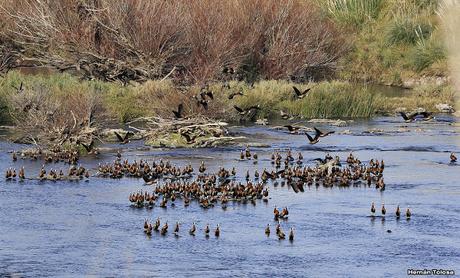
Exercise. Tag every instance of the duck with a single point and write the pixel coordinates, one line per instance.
(284, 115)
(384, 210)
(373, 208)
(380, 184)
(192, 229)
(413, 116)
(241, 155)
(323, 134)
(453, 158)
(267, 230)
(291, 234)
(299, 94)
(255, 156)
(91, 150)
(312, 140)
(21, 173)
(206, 230)
(202, 168)
(408, 213)
(247, 153)
(176, 228)
(284, 213)
(398, 212)
(244, 112)
(124, 140)
(217, 231)
(292, 129)
(156, 226)
(276, 212)
(281, 234)
(8, 173)
(178, 113)
(164, 229)
(14, 156)
(232, 95)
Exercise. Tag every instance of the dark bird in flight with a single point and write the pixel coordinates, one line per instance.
(243, 112)
(178, 113)
(232, 95)
(188, 137)
(323, 134)
(284, 115)
(313, 140)
(20, 89)
(90, 149)
(206, 93)
(299, 94)
(124, 140)
(292, 129)
(414, 116)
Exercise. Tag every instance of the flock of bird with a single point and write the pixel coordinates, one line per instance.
(205, 96)
(74, 173)
(208, 189)
(384, 211)
(163, 230)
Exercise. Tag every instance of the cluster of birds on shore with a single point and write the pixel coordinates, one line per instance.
(384, 211)
(163, 230)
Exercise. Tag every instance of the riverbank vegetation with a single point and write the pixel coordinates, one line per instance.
(394, 42)
(115, 61)
(58, 98)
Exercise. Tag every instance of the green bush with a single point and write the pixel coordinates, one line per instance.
(354, 12)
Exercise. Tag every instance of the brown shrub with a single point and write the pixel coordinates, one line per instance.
(142, 39)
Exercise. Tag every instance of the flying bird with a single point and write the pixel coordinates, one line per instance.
(292, 129)
(414, 116)
(178, 113)
(232, 95)
(313, 140)
(323, 134)
(124, 140)
(244, 112)
(299, 94)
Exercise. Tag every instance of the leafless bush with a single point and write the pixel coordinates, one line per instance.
(48, 118)
(141, 39)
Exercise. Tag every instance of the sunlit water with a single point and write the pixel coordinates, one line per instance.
(89, 228)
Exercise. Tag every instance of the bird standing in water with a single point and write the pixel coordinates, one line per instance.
(453, 158)
(291, 234)
(192, 229)
(217, 231)
(373, 208)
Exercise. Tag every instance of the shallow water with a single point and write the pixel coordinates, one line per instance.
(89, 228)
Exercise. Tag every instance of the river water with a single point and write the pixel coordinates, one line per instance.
(90, 229)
